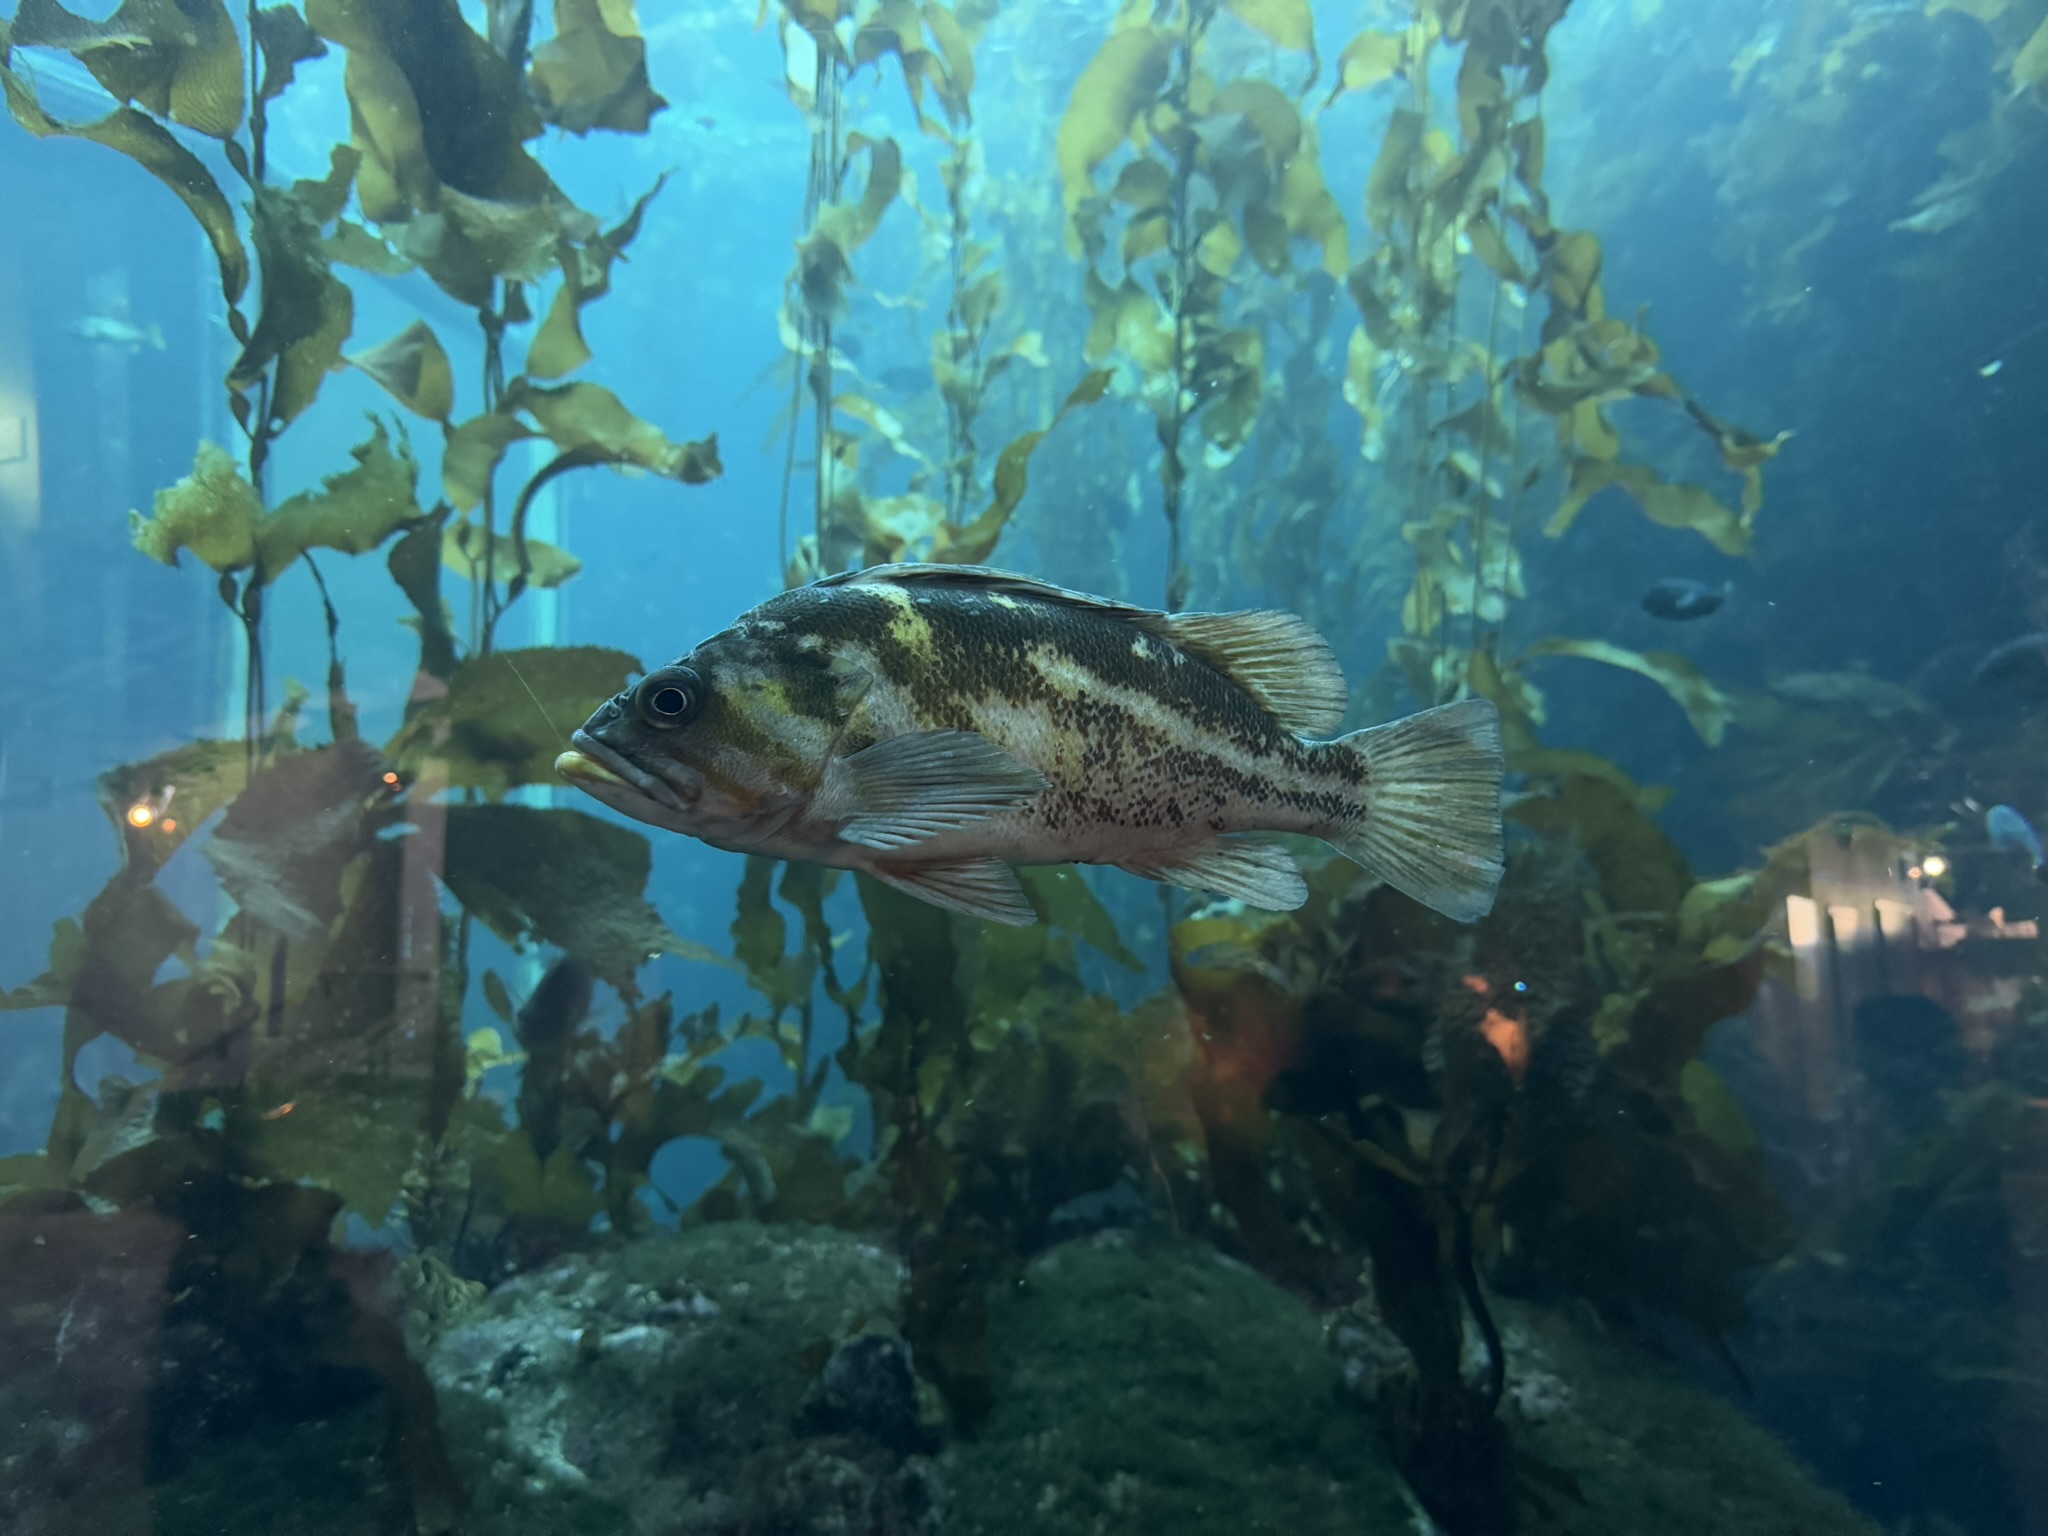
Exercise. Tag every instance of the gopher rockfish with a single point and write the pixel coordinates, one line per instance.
(933, 725)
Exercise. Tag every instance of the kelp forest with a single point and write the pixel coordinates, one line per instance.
(1616, 1210)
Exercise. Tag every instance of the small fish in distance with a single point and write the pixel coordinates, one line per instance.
(2010, 832)
(1679, 598)
(933, 725)
(111, 330)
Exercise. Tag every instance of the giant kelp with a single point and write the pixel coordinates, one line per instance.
(314, 1035)
(1356, 1087)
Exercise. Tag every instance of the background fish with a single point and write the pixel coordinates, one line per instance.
(1680, 597)
(933, 725)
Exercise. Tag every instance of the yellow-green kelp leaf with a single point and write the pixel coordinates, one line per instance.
(214, 512)
(414, 369)
(149, 144)
(1123, 78)
(1289, 23)
(307, 311)
(593, 72)
(506, 716)
(474, 451)
(180, 59)
(1705, 705)
(462, 554)
(1367, 60)
(2030, 65)
(355, 1136)
(1670, 506)
(181, 788)
(1066, 901)
(354, 511)
(562, 1190)
(974, 543)
(823, 267)
(558, 347)
(558, 877)
(591, 416)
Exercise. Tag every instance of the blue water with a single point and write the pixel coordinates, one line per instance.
(1827, 216)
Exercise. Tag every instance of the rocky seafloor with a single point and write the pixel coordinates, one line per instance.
(741, 1380)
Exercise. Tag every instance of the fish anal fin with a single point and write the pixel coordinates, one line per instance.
(983, 888)
(1275, 657)
(1254, 870)
(906, 789)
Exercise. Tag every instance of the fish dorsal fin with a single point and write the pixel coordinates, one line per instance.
(988, 579)
(1274, 656)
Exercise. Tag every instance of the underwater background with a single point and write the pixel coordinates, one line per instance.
(393, 1139)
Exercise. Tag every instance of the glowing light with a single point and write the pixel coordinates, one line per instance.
(1802, 921)
(170, 823)
(1509, 1036)
(1477, 984)
(1521, 986)
(391, 779)
(1935, 865)
(1916, 873)
(141, 814)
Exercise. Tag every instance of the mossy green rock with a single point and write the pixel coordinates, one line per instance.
(1163, 1388)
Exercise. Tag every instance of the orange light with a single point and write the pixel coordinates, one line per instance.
(170, 823)
(1478, 984)
(1510, 1037)
(1915, 873)
(281, 1111)
(391, 779)
(141, 814)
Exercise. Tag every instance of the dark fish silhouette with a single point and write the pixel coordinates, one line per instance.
(1680, 597)
(2021, 663)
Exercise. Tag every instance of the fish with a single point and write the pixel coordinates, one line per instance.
(2020, 664)
(119, 333)
(2010, 832)
(1680, 597)
(935, 725)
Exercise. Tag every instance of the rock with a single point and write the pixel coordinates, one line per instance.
(1155, 1386)
(661, 1390)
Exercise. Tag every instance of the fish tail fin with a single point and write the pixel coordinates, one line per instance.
(1428, 818)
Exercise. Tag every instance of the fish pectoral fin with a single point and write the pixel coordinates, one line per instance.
(905, 789)
(984, 888)
(1275, 657)
(1254, 870)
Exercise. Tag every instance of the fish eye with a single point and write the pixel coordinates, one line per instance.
(670, 697)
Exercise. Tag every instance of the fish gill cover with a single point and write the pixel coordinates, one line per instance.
(1358, 1098)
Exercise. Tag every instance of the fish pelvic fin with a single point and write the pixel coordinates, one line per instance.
(1252, 869)
(1429, 823)
(983, 888)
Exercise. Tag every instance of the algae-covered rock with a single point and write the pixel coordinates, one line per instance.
(1164, 1388)
(661, 1389)
(1616, 1442)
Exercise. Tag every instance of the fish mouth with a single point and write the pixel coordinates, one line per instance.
(593, 766)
